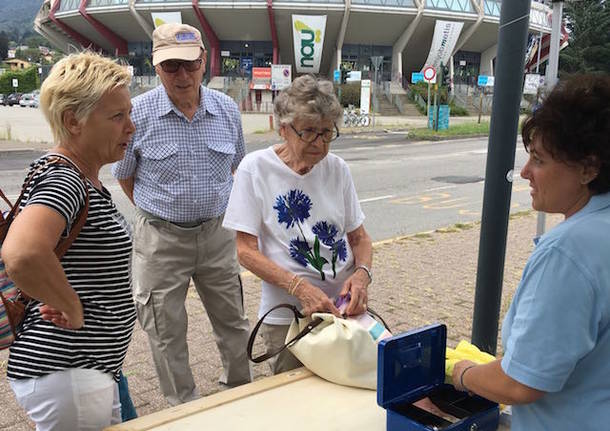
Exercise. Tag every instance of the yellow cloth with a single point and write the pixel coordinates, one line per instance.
(464, 351)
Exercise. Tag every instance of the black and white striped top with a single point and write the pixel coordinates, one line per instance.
(98, 266)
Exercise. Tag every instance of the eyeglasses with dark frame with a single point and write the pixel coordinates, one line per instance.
(309, 136)
(172, 66)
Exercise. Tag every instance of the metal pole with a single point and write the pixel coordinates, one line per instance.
(376, 104)
(551, 80)
(512, 41)
(428, 110)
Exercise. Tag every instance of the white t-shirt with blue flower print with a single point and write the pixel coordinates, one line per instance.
(301, 222)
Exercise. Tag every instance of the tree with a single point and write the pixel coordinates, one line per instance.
(3, 45)
(589, 44)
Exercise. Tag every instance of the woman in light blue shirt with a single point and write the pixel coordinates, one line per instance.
(556, 334)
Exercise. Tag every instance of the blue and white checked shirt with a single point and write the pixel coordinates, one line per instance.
(183, 169)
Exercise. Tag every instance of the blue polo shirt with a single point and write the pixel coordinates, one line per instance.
(556, 334)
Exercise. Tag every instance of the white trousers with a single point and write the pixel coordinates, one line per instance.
(75, 399)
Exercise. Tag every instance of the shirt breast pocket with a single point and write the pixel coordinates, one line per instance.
(159, 163)
(222, 154)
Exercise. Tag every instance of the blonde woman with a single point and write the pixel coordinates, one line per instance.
(65, 363)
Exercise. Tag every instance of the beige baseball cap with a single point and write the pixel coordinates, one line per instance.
(176, 41)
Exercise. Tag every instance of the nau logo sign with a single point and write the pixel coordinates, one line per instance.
(308, 37)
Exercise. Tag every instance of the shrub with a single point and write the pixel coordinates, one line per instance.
(350, 94)
(28, 81)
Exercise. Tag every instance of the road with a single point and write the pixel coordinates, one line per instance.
(403, 187)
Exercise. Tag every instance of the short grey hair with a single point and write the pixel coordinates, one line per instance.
(308, 99)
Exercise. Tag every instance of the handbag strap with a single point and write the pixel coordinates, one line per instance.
(378, 317)
(297, 315)
(56, 159)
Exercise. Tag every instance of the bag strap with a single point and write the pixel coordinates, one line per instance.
(378, 317)
(53, 158)
(297, 315)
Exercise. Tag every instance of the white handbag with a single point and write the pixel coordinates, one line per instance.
(343, 351)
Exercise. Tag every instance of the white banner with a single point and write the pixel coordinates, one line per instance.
(531, 84)
(160, 18)
(281, 76)
(308, 37)
(446, 34)
(365, 96)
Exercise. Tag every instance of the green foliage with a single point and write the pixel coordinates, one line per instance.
(589, 44)
(28, 81)
(454, 131)
(457, 111)
(350, 94)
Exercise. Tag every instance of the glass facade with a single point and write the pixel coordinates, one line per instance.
(358, 57)
(452, 5)
(466, 66)
(96, 3)
(492, 7)
(238, 58)
(67, 5)
(386, 3)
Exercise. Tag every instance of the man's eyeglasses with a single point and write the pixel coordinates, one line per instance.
(172, 66)
(310, 135)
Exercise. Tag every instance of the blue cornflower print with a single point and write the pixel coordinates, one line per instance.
(292, 208)
(340, 248)
(326, 232)
(298, 250)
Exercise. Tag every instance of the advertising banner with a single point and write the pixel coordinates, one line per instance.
(308, 37)
(281, 76)
(445, 37)
(160, 18)
(261, 78)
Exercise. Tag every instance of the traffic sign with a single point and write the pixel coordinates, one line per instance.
(416, 77)
(430, 74)
(337, 75)
(15, 82)
(482, 80)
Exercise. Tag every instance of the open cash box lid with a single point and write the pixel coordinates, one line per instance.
(410, 365)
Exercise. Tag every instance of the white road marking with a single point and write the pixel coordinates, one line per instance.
(440, 188)
(378, 198)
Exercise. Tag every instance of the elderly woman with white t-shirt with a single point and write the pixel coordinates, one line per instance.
(298, 220)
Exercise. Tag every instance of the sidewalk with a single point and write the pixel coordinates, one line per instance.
(419, 279)
(22, 129)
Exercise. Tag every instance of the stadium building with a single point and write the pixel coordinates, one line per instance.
(243, 35)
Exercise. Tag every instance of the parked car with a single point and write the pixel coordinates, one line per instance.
(29, 100)
(13, 99)
(2, 99)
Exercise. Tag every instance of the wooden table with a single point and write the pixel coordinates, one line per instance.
(296, 400)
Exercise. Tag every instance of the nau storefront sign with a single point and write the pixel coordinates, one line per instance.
(446, 34)
(308, 37)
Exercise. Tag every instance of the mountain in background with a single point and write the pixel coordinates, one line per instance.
(17, 17)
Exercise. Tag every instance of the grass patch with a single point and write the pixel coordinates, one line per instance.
(260, 131)
(422, 235)
(456, 131)
(520, 214)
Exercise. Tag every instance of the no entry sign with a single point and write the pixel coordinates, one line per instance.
(430, 74)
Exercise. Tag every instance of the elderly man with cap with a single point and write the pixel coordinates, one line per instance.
(178, 173)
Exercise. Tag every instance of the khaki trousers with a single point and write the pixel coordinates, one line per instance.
(166, 258)
(275, 337)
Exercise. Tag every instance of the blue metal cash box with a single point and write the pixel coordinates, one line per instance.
(411, 367)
